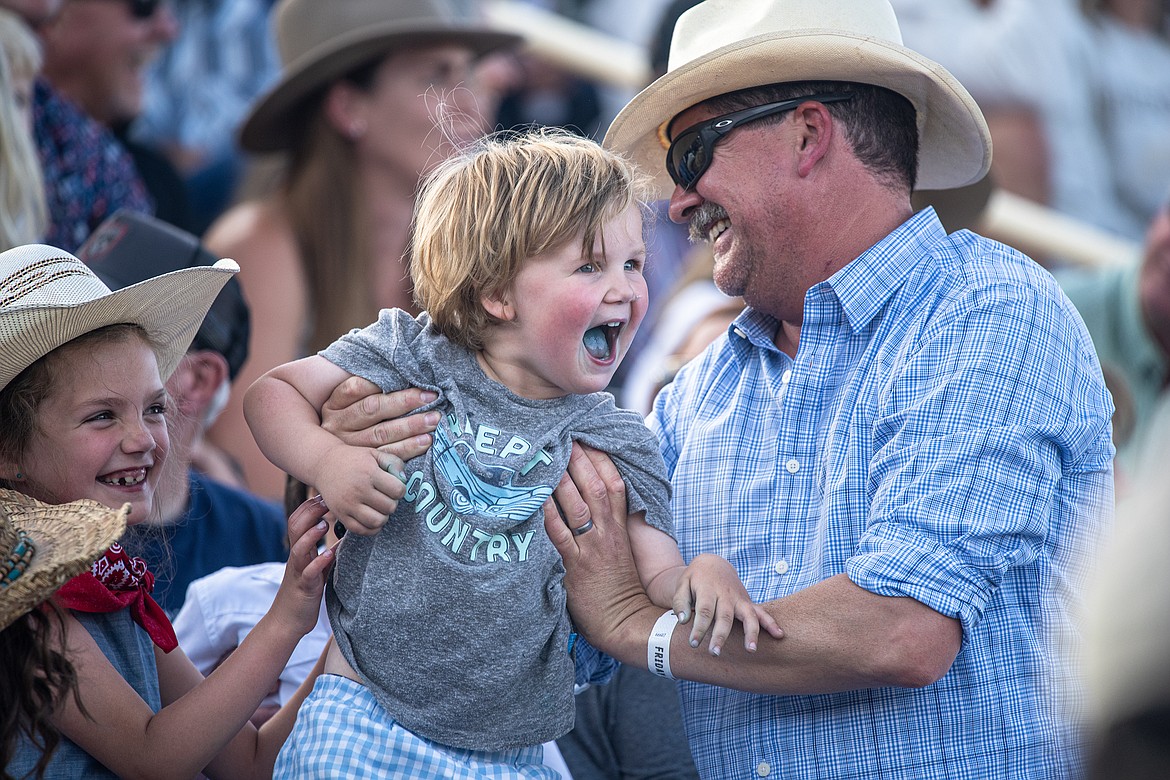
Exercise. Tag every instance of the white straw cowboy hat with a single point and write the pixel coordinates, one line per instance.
(48, 297)
(42, 546)
(721, 46)
(322, 40)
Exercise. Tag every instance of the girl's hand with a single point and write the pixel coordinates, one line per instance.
(300, 592)
(712, 588)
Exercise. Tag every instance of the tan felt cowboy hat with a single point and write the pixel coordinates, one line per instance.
(322, 40)
(721, 46)
(48, 297)
(42, 546)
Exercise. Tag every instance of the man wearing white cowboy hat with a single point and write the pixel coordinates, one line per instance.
(903, 444)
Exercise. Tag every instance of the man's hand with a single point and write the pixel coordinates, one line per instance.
(600, 576)
(361, 415)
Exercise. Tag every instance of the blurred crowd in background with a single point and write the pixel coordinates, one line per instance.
(167, 108)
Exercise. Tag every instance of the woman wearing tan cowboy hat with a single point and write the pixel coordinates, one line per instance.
(83, 415)
(902, 444)
(372, 95)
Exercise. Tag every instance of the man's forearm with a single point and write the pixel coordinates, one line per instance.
(837, 637)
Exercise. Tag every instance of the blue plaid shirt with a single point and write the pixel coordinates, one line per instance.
(943, 434)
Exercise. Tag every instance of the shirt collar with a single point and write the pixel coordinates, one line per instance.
(752, 327)
(865, 285)
(862, 286)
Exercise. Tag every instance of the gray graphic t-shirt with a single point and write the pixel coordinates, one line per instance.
(454, 613)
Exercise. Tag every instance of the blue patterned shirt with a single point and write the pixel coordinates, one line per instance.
(88, 174)
(943, 434)
(203, 84)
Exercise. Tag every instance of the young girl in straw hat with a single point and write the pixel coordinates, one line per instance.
(527, 258)
(83, 415)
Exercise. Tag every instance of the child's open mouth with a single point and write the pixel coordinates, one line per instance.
(601, 340)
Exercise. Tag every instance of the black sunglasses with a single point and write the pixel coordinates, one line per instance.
(143, 9)
(690, 154)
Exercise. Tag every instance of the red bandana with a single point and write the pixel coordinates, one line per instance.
(116, 581)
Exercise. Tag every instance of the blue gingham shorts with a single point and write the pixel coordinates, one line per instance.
(342, 731)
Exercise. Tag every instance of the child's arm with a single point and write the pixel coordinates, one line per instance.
(361, 485)
(203, 723)
(709, 588)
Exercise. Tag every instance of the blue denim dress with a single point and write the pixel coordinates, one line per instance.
(131, 652)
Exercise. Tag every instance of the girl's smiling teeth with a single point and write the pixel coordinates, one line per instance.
(600, 340)
(128, 478)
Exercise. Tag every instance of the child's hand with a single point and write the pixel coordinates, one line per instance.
(711, 586)
(361, 486)
(303, 585)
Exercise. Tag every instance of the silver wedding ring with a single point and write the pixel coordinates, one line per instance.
(582, 529)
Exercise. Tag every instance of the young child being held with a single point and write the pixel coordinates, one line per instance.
(526, 255)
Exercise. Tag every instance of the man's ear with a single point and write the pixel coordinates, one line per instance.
(815, 133)
(197, 380)
(499, 305)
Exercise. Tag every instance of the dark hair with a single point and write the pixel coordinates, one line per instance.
(325, 213)
(35, 679)
(880, 124)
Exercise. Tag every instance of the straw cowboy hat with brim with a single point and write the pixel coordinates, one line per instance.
(43, 546)
(722, 46)
(322, 40)
(48, 298)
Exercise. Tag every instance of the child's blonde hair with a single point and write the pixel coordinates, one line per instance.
(507, 198)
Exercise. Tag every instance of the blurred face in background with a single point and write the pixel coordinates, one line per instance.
(97, 51)
(421, 104)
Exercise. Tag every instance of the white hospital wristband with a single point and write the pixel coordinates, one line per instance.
(658, 647)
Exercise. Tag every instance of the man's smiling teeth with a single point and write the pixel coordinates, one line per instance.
(717, 229)
(127, 479)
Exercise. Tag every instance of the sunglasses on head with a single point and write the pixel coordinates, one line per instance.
(690, 154)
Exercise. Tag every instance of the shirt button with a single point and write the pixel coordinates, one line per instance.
(763, 770)
(793, 465)
(787, 375)
(781, 567)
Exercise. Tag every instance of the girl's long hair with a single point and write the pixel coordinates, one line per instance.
(35, 679)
